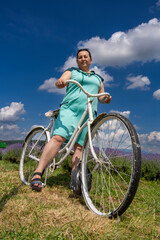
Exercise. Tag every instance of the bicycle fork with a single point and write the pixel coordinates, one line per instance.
(90, 121)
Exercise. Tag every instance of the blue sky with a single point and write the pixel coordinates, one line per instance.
(39, 40)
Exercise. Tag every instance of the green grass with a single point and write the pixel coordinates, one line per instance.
(56, 213)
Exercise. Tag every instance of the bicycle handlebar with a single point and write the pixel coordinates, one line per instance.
(88, 94)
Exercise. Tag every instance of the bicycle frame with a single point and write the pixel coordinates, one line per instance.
(68, 147)
(80, 128)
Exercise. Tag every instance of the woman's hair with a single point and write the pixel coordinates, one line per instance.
(84, 49)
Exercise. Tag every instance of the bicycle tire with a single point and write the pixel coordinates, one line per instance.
(115, 177)
(28, 164)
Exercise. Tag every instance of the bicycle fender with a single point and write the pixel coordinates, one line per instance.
(93, 123)
(97, 118)
(32, 130)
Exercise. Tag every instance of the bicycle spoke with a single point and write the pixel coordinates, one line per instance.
(31, 154)
(112, 176)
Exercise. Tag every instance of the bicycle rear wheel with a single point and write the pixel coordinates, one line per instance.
(116, 175)
(31, 153)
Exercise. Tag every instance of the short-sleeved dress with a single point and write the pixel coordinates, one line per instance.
(75, 102)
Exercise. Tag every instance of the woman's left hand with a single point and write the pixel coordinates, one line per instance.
(107, 99)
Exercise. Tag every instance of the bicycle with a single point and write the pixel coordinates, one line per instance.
(111, 152)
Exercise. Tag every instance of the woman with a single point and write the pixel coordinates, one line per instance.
(72, 107)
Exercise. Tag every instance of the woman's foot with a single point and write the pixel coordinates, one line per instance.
(36, 183)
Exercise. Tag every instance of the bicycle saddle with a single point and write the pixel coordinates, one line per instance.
(51, 113)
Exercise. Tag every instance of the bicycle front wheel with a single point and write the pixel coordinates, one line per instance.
(31, 153)
(115, 176)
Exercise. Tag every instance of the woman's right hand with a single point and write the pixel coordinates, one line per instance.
(60, 83)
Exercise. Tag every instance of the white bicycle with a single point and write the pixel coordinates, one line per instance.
(111, 152)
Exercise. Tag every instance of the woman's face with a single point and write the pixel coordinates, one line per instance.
(84, 60)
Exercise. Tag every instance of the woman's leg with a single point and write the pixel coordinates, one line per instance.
(76, 156)
(49, 153)
(74, 184)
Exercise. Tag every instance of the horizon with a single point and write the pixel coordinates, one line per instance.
(14, 142)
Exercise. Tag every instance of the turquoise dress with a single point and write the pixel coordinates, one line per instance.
(75, 102)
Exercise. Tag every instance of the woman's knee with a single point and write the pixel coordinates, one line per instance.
(58, 139)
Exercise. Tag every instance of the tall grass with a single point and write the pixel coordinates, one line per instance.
(150, 162)
(56, 213)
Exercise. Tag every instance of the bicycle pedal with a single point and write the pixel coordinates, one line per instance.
(75, 182)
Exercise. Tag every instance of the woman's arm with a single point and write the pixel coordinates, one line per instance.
(60, 83)
(103, 99)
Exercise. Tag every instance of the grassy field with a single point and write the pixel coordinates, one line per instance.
(56, 213)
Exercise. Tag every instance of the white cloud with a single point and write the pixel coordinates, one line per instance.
(11, 132)
(9, 127)
(12, 127)
(158, 3)
(139, 81)
(49, 86)
(156, 94)
(150, 142)
(12, 113)
(107, 78)
(136, 127)
(138, 44)
(155, 7)
(70, 62)
(124, 113)
(154, 136)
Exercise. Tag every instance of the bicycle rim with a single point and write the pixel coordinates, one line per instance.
(115, 176)
(29, 164)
